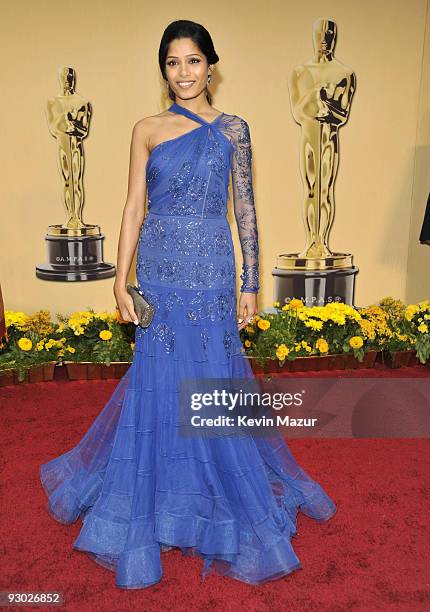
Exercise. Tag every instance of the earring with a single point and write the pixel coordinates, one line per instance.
(209, 79)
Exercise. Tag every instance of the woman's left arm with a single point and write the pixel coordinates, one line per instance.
(246, 219)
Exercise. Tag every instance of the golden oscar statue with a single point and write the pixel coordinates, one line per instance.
(321, 91)
(75, 249)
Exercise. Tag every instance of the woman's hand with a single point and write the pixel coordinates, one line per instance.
(248, 307)
(125, 304)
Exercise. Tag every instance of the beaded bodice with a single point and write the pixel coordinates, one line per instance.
(188, 177)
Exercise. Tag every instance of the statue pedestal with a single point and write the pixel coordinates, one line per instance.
(315, 281)
(75, 258)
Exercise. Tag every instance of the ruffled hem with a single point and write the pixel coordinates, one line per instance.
(140, 488)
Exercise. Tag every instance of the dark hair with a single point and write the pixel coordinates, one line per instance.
(186, 29)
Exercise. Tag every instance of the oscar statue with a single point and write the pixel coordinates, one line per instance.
(321, 91)
(75, 249)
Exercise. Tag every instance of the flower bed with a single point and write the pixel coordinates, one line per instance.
(97, 338)
(295, 338)
(295, 331)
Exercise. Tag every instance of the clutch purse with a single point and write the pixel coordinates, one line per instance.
(143, 309)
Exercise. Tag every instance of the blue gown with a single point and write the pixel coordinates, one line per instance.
(139, 487)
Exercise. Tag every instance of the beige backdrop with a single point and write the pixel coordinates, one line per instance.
(383, 177)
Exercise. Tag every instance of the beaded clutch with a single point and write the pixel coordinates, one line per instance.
(144, 310)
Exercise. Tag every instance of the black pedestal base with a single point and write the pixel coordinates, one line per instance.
(75, 259)
(316, 287)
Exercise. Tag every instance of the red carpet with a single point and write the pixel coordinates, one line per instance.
(372, 555)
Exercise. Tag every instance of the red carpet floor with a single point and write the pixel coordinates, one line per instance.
(372, 555)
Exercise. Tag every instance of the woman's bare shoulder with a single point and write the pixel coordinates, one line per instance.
(149, 127)
(152, 120)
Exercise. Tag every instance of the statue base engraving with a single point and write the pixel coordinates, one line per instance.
(75, 258)
(310, 282)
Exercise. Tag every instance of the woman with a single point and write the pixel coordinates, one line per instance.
(140, 487)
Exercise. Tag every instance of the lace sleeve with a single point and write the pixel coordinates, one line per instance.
(244, 209)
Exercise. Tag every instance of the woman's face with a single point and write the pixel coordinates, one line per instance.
(187, 69)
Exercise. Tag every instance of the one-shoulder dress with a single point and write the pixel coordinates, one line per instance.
(139, 487)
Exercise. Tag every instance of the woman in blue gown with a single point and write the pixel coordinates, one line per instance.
(139, 486)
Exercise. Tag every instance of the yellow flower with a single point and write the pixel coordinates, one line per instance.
(71, 349)
(296, 303)
(308, 349)
(250, 329)
(19, 319)
(423, 328)
(322, 345)
(25, 344)
(132, 346)
(247, 343)
(356, 342)
(314, 324)
(105, 334)
(282, 351)
(410, 311)
(276, 304)
(263, 324)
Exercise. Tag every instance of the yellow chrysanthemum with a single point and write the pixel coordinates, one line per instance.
(18, 319)
(250, 329)
(276, 304)
(282, 351)
(356, 342)
(247, 343)
(317, 325)
(71, 349)
(296, 303)
(263, 324)
(25, 344)
(322, 345)
(105, 334)
(410, 311)
(423, 328)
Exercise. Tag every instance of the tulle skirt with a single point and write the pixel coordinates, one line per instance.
(141, 488)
